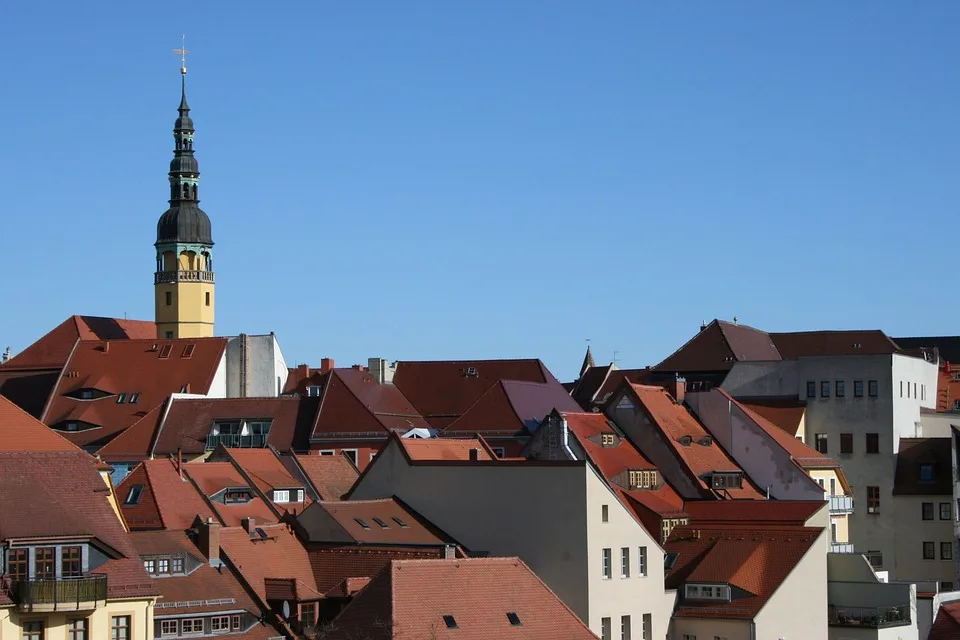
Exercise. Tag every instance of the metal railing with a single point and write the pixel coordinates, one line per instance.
(172, 277)
(841, 547)
(872, 617)
(235, 440)
(63, 593)
(841, 504)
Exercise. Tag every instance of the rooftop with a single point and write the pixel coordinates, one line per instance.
(924, 468)
(511, 407)
(331, 476)
(785, 413)
(279, 555)
(353, 402)
(53, 349)
(369, 522)
(163, 501)
(446, 448)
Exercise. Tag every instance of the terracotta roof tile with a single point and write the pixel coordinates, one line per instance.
(166, 501)
(128, 367)
(212, 478)
(511, 407)
(53, 349)
(377, 522)
(916, 452)
(785, 413)
(352, 403)
(833, 343)
(443, 390)
(446, 448)
(946, 626)
(742, 513)
(331, 476)
(281, 555)
(586, 387)
(341, 568)
(413, 596)
(20, 431)
(757, 561)
(675, 422)
(718, 346)
(267, 472)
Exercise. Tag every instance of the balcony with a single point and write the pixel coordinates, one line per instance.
(173, 277)
(869, 617)
(841, 547)
(237, 441)
(841, 505)
(66, 594)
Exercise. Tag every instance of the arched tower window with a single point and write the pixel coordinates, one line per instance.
(194, 192)
(186, 191)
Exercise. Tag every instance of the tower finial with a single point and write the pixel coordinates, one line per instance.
(182, 52)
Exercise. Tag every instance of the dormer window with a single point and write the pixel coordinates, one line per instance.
(239, 433)
(86, 394)
(134, 398)
(133, 497)
(281, 495)
(719, 592)
(726, 480)
(706, 441)
(608, 439)
(927, 472)
(685, 441)
(643, 479)
(472, 372)
(314, 391)
(236, 496)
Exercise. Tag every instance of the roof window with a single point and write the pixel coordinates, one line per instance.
(472, 372)
(514, 619)
(134, 398)
(314, 391)
(726, 480)
(383, 525)
(133, 497)
(926, 472)
(165, 351)
(236, 496)
(686, 441)
(362, 524)
(669, 560)
(403, 525)
(706, 441)
(451, 622)
(121, 398)
(188, 350)
(86, 394)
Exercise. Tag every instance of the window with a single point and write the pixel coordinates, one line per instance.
(169, 334)
(833, 531)
(299, 495)
(926, 510)
(188, 351)
(350, 453)
(839, 388)
(946, 551)
(707, 592)
(624, 627)
(929, 551)
(926, 473)
(858, 388)
(134, 398)
(33, 630)
(873, 500)
(820, 442)
(121, 398)
(872, 390)
(383, 525)
(86, 394)
(811, 388)
(846, 443)
(207, 298)
(163, 565)
(875, 558)
(450, 621)
(513, 619)
(313, 391)
(165, 350)
(901, 388)
(625, 562)
(281, 495)
(169, 298)
(607, 563)
(192, 625)
(946, 513)
(221, 624)
(403, 525)
(169, 627)
(833, 486)
(120, 627)
(500, 452)
(646, 630)
(605, 629)
(825, 389)
(604, 513)
(45, 563)
(642, 561)
(150, 566)
(235, 622)
(362, 524)
(236, 495)
(326, 452)
(873, 443)
(133, 497)
(914, 391)
(17, 563)
(77, 629)
(71, 565)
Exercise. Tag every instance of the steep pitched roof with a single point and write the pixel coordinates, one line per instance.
(265, 470)
(718, 346)
(785, 413)
(128, 367)
(511, 407)
(354, 403)
(917, 452)
(53, 349)
(212, 478)
(20, 431)
(78, 508)
(676, 423)
(281, 555)
(410, 598)
(446, 448)
(136, 441)
(745, 513)
(948, 346)
(165, 502)
(756, 561)
(369, 522)
(833, 343)
(443, 390)
(29, 389)
(331, 476)
(588, 384)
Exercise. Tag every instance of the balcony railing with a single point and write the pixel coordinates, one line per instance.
(869, 617)
(841, 547)
(172, 277)
(65, 594)
(237, 441)
(841, 504)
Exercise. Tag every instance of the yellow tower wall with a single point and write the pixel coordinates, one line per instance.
(188, 315)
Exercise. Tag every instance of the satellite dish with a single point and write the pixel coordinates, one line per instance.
(286, 609)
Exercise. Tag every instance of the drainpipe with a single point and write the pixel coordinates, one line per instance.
(565, 438)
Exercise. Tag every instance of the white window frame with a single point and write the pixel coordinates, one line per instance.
(281, 496)
(223, 621)
(327, 452)
(192, 622)
(625, 562)
(164, 633)
(606, 629)
(236, 621)
(300, 495)
(642, 559)
(625, 628)
(606, 557)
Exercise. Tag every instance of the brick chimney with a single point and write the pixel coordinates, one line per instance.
(209, 539)
(677, 388)
(303, 372)
(474, 455)
(248, 524)
(326, 364)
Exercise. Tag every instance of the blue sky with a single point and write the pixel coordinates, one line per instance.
(423, 180)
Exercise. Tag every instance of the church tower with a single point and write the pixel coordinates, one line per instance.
(184, 280)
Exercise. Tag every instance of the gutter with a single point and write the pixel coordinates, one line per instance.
(565, 438)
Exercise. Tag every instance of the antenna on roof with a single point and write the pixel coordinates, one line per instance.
(735, 319)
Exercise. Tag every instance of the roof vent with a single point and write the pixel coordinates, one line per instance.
(857, 345)
(154, 347)
(451, 622)
(472, 372)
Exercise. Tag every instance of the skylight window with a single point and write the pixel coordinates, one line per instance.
(451, 622)
(134, 398)
(188, 350)
(383, 525)
(669, 560)
(121, 398)
(514, 619)
(134, 496)
(165, 351)
(403, 525)
(362, 523)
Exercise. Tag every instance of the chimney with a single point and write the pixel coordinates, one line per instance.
(381, 370)
(180, 463)
(449, 552)
(326, 364)
(209, 534)
(303, 372)
(474, 455)
(248, 524)
(677, 388)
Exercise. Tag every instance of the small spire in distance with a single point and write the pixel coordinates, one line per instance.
(587, 361)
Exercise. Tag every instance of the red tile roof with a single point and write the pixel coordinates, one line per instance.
(444, 390)
(376, 522)
(331, 476)
(512, 407)
(29, 389)
(281, 555)
(19, 431)
(946, 626)
(915, 452)
(585, 389)
(353, 404)
(266, 471)
(36, 502)
(413, 596)
(718, 346)
(212, 478)
(675, 422)
(344, 569)
(785, 413)
(948, 387)
(53, 349)
(743, 513)
(833, 343)
(446, 448)
(128, 366)
(166, 501)
(756, 561)
(136, 441)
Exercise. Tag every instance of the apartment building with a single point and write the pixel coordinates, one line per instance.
(560, 517)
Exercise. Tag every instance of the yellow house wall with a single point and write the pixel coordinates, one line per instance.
(188, 315)
(843, 530)
(55, 624)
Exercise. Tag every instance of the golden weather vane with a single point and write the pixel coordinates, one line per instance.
(182, 52)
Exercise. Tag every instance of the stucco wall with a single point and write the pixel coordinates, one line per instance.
(263, 363)
(762, 379)
(937, 425)
(218, 388)
(912, 530)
